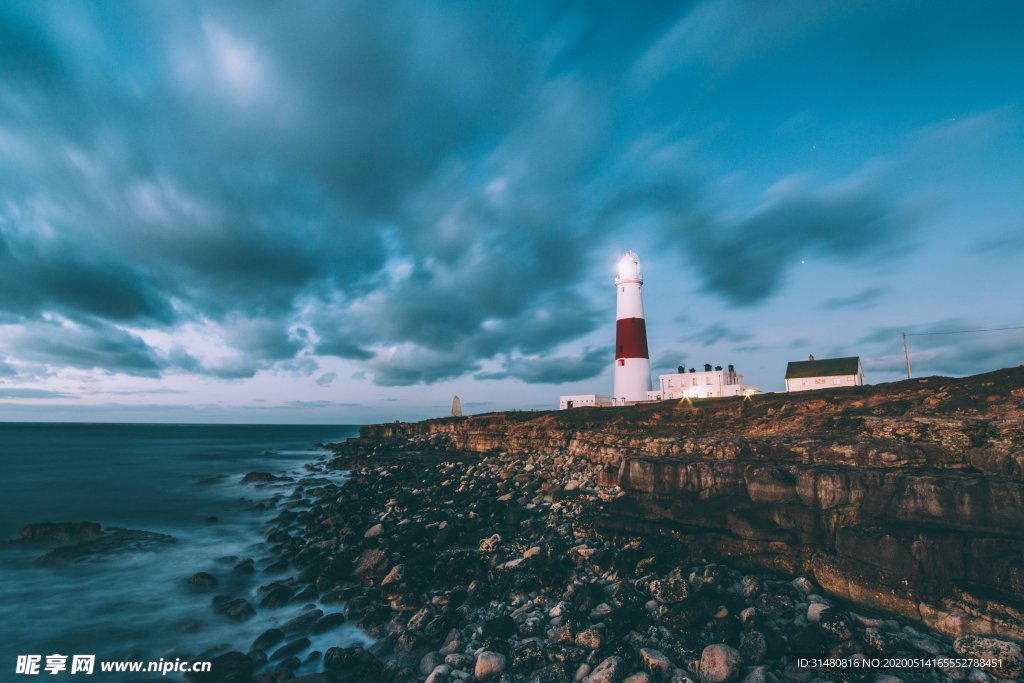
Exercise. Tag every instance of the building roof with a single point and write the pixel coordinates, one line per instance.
(826, 367)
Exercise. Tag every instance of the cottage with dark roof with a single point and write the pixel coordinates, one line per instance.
(806, 375)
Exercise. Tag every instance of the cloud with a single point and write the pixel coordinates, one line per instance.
(552, 369)
(91, 345)
(669, 360)
(716, 332)
(746, 262)
(933, 351)
(326, 379)
(14, 392)
(862, 299)
(1007, 244)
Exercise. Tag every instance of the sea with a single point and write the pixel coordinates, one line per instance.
(181, 480)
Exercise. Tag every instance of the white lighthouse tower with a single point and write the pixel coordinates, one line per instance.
(632, 360)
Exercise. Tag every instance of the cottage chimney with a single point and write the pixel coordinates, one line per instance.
(718, 368)
(693, 369)
(731, 368)
(707, 367)
(680, 369)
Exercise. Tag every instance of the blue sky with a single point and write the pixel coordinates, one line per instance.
(350, 212)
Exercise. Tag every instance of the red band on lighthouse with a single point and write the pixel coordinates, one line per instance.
(631, 338)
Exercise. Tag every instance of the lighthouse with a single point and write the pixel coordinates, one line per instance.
(632, 361)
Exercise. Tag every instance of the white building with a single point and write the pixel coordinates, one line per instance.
(584, 400)
(810, 374)
(711, 383)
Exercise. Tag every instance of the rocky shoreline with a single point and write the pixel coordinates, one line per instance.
(466, 566)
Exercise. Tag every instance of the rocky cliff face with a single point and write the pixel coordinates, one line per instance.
(906, 497)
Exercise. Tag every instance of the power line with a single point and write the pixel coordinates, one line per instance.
(986, 329)
(906, 349)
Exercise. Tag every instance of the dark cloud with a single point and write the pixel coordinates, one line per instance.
(72, 278)
(92, 345)
(747, 261)
(326, 379)
(862, 299)
(422, 189)
(553, 369)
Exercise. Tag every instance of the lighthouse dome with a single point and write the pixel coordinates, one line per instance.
(629, 268)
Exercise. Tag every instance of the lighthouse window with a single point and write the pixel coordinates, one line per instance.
(620, 348)
(622, 361)
(623, 289)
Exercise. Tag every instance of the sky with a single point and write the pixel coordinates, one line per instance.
(348, 212)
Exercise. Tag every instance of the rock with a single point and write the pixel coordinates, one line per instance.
(502, 626)
(667, 592)
(267, 639)
(430, 661)
(587, 596)
(610, 670)
(291, 648)
(753, 647)
(488, 664)
(237, 609)
(370, 564)
(440, 674)
(395, 576)
(590, 638)
(202, 581)
(719, 663)
(1011, 664)
(759, 674)
(552, 673)
(60, 532)
(374, 531)
(244, 567)
(353, 663)
(275, 594)
(835, 624)
(327, 622)
(814, 611)
(230, 667)
(655, 662)
(527, 655)
(490, 544)
(258, 478)
(303, 622)
(112, 542)
(458, 660)
(410, 647)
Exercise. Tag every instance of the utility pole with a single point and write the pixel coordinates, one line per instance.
(906, 353)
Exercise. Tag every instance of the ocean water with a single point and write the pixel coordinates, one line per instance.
(160, 478)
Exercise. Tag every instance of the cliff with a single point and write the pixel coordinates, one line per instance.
(905, 497)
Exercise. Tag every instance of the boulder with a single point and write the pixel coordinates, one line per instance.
(719, 663)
